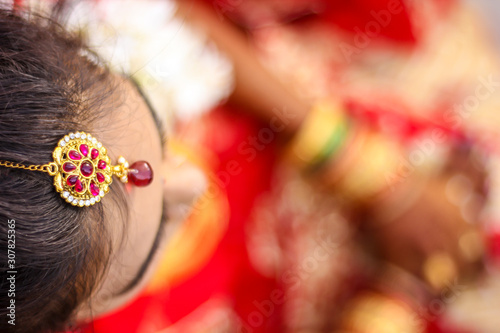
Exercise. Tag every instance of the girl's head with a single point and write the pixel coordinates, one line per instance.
(72, 263)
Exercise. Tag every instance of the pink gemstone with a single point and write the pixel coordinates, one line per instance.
(71, 180)
(84, 149)
(78, 186)
(101, 165)
(100, 177)
(94, 154)
(74, 155)
(141, 173)
(87, 169)
(68, 167)
(94, 189)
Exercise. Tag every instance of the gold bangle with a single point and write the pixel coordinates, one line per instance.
(439, 269)
(362, 172)
(374, 312)
(320, 136)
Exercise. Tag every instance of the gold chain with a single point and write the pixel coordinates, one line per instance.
(50, 168)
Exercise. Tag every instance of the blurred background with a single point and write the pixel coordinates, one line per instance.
(489, 10)
(416, 86)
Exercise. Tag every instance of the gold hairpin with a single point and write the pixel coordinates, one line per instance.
(83, 172)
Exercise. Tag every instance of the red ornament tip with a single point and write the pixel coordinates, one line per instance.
(140, 173)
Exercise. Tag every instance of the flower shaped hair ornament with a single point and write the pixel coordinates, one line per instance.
(83, 172)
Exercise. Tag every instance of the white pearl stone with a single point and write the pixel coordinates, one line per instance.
(87, 203)
(84, 136)
(65, 194)
(71, 135)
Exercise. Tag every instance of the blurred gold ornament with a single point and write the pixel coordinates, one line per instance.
(320, 136)
(439, 269)
(372, 312)
(471, 245)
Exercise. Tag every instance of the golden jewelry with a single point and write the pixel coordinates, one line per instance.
(320, 136)
(374, 312)
(471, 245)
(439, 270)
(367, 175)
(83, 172)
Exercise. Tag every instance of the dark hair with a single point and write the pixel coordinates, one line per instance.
(50, 85)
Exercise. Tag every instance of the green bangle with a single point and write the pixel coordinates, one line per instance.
(331, 148)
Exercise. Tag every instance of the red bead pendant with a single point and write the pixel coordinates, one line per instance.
(140, 173)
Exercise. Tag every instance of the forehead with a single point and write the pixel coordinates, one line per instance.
(130, 131)
(129, 124)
